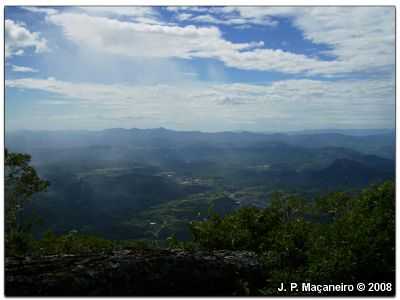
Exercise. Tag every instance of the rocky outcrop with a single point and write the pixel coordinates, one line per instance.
(136, 273)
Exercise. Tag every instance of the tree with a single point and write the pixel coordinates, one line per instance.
(21, 182)
(340, 237)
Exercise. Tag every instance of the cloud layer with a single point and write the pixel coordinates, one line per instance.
(144, 40)
(280, 105)
(359, 38)
(18, 38)
(23, 69)
(188, 54)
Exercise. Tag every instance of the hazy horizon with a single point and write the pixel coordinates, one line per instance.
(327, 130)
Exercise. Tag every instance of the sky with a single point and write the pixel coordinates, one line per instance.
(199, 68)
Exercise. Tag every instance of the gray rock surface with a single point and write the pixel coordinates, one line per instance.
(136, 273)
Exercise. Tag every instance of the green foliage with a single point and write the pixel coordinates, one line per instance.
(135, 244)
(19, 242)
(359, 243)
(173, 243)
(71, 243)
(21, 182)
(340, 237)
(22, 177)
(232, 232)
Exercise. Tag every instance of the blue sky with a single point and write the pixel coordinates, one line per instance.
(200, 68)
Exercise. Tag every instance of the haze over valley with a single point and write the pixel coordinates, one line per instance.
(151, 183)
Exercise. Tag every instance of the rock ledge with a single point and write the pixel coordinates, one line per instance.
(136, 273)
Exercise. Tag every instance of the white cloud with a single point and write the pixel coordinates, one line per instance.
(42, 10)
(360, 38)
(187, 8)
(225, 16)
(18, 38)
(137, 11)
(280, 105)
(184, 16)
(139, 14)
(230, 21)
(145, 40)
(23, 69)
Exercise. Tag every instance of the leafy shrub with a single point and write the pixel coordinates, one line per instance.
(339, 237)
(71, 243)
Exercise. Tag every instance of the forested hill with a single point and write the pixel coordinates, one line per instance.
(149, 183)
(378, 142)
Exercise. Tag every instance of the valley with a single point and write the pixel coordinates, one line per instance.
(150, 184)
